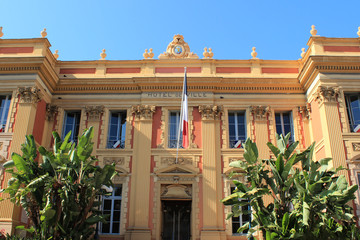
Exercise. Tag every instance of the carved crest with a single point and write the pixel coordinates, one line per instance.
(178, 48)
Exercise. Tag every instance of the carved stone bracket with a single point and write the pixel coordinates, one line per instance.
(172, 161)
(260, 112)
(143, 112)
(116, 160)
(327, 94)
(51, 111)
(210, 112)
(94, 112)
(356, 146)
(29, 94)
(305, 110)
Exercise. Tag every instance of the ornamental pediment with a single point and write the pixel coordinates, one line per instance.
(176, 170)
(178, 49)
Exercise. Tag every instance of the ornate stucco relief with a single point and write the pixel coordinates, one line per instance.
(327, 94)
(260, 112)
(94, 112)
(143, 112)
(210, 112)
(29, 94)
(51, 111)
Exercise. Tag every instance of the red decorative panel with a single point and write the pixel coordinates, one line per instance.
(279, 70)
(342, 48)
(77, 70)
(11, 50)
(123, 70)
(156, 129)
(39, 121)
(233, 70)
(177, 70)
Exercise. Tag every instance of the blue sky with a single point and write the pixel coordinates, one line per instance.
(81, 29)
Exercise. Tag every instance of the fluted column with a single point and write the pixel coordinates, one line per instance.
(213, 214)
(327, 98)
(140, 176)
(28, 97)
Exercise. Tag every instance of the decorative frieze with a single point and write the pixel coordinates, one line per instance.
(327, 94)
(305, 110)
(356, 146)
(260, 112)
(115, 160)
(143, 112)
(172, 160)
(210, 112)
(51, 111)
(29, 94)
(94, 112)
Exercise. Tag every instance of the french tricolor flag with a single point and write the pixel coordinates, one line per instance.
(184, 115)
(357, 128)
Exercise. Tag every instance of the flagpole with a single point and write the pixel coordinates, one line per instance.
(180, 122)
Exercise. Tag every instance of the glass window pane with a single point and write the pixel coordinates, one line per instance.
(107, 204)
(117, 130)
(105, 228)
(117, 204)
(118, 191)
(116, 216)
(116, 227)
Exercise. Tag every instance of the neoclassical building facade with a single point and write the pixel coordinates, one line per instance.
(134, 107)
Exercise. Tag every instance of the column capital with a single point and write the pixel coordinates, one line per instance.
(94, 112)
(260, 112)
(143, 112)
(51, 111)
(305, 110)
(210, 112)
(29, 94)
(327, 94)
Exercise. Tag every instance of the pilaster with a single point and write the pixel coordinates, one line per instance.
(260, 116)
(140, 176)
(327, 98)
(28, 98)
(94, 115)
(213, 214)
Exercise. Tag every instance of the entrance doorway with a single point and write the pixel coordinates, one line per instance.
(176, 220)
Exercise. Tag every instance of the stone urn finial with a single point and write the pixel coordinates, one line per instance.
(205, 53)
(146, 54)
(302, 53)
(358, 33)
(43, 33)
(1, 32)
(56, 54)
(313, 31)
(254, 53)
(103, 54)
(151, 54)
(211, 54)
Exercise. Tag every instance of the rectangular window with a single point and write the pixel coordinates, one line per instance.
(117, 130)
(353, 109)
(72, 123)
(111, 205)
(237, 128)
(174, 120)
(237, 222)
(284, 124)
(4, 111)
